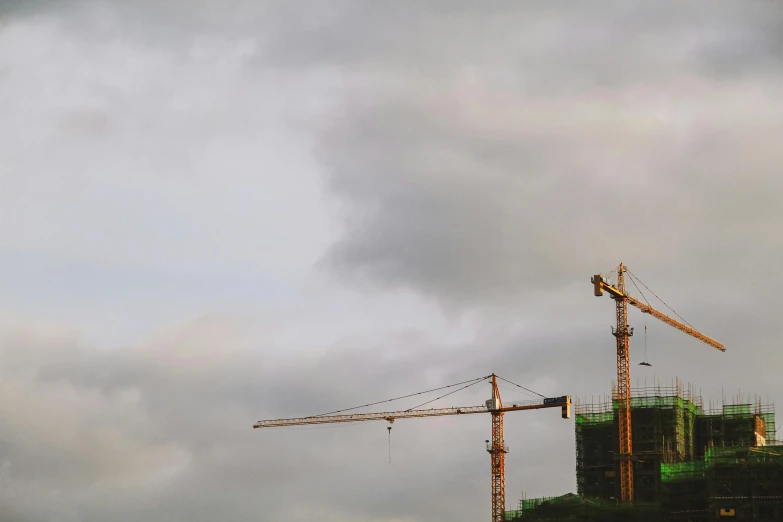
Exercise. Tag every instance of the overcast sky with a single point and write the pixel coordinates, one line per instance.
(215, 212)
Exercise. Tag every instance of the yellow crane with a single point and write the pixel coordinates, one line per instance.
(497, 447)
(623, 333)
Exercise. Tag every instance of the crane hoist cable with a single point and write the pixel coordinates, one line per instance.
(389, 428)
(645, 361)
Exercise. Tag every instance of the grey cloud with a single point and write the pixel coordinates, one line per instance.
(163, 429)
(571, 47)
(548, 48)
(470, 187)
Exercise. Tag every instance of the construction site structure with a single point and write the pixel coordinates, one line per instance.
(497, 447)
(622, 333)
(691, 463)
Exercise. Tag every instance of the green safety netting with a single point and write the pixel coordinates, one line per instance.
(575, 507)
(593, 417)
(736, 409)
(682, 471)
(569, 499)
(721, 456)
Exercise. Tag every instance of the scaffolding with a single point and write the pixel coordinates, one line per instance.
(684, 491)
(739, 424)
(572, 507)
(742, 482)
(663, 427)
(747, 481)
(596, 443)
(694, 464)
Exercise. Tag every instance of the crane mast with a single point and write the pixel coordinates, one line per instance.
(622, 333)
(497, 447)
(497, 451)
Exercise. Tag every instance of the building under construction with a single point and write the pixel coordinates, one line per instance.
(690, 463)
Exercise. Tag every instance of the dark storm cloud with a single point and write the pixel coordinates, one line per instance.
(613, 135)
(556, 47)
(18, 6)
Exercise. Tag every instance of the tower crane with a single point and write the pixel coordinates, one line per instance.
(623, 333)
(497, 447)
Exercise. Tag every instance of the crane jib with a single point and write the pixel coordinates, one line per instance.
(601, 285)
(497, 447)
(647, 309)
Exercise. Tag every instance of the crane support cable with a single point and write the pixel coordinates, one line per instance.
(632, 278)
(447, 394)
(471, 381)
(661, 300)
(518, 386)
